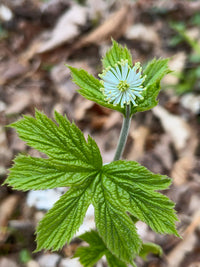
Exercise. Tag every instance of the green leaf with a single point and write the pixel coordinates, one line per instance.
(114, 225)
(154, 72)
(115, 54)
(71, 161)
(38, 173)
(132, 186)
(113, 261)
(90, 255)
(90, 88)
(114, 189)
(64, 219)
(65, 143)
(150, 248)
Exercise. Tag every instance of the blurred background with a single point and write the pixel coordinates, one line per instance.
(37, 37)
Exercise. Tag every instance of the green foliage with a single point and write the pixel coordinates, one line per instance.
(155, 71)
(62, 221)
(113, 189)
(127, 184)
(24, 256)
(91, 254)
(71, 160)
(3, 32)
(189, 77)
(195, 20)
(114, 225)
(88, 256)
(150, 248)
(181, 29)
(115, 54)
(121, 192)
(90, 86)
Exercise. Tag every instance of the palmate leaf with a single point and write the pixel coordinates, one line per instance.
(71, 161)
(88, 256)
(132, 187)
(113, 189)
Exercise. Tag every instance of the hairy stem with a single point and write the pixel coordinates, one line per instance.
(123, 134)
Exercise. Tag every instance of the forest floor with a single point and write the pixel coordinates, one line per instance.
(37, 38)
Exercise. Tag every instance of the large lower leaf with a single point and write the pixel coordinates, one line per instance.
(62, 221)
(71, 160)
(133, 189)
(64, 142)
(114, 226)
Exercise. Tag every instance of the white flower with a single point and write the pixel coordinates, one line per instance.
(122, 84)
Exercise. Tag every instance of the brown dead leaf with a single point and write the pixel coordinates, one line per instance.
(66, 29)
(70, 249)
(81, 106)
(143, 33)
(21, 99)
(6, 209)
(194, 264)
(61, 77)
(115, 26)
(32, 263)
(176, 127)
(6, 262)
(98, 121)
(10, 70)
(139, 136)
(114, 119)
(177, 64)
(176, 256)
(181, 169)
(5, 153)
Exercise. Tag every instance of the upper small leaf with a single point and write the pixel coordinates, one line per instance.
(155, 71)
(115, 54)
(90, 88)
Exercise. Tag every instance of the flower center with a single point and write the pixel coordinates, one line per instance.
(123, 86)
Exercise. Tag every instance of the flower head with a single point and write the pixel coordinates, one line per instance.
(122, 84)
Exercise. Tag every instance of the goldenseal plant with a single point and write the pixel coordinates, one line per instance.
(122, 192)
(122, 84)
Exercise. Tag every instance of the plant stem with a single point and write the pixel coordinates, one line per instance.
(123, 134)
